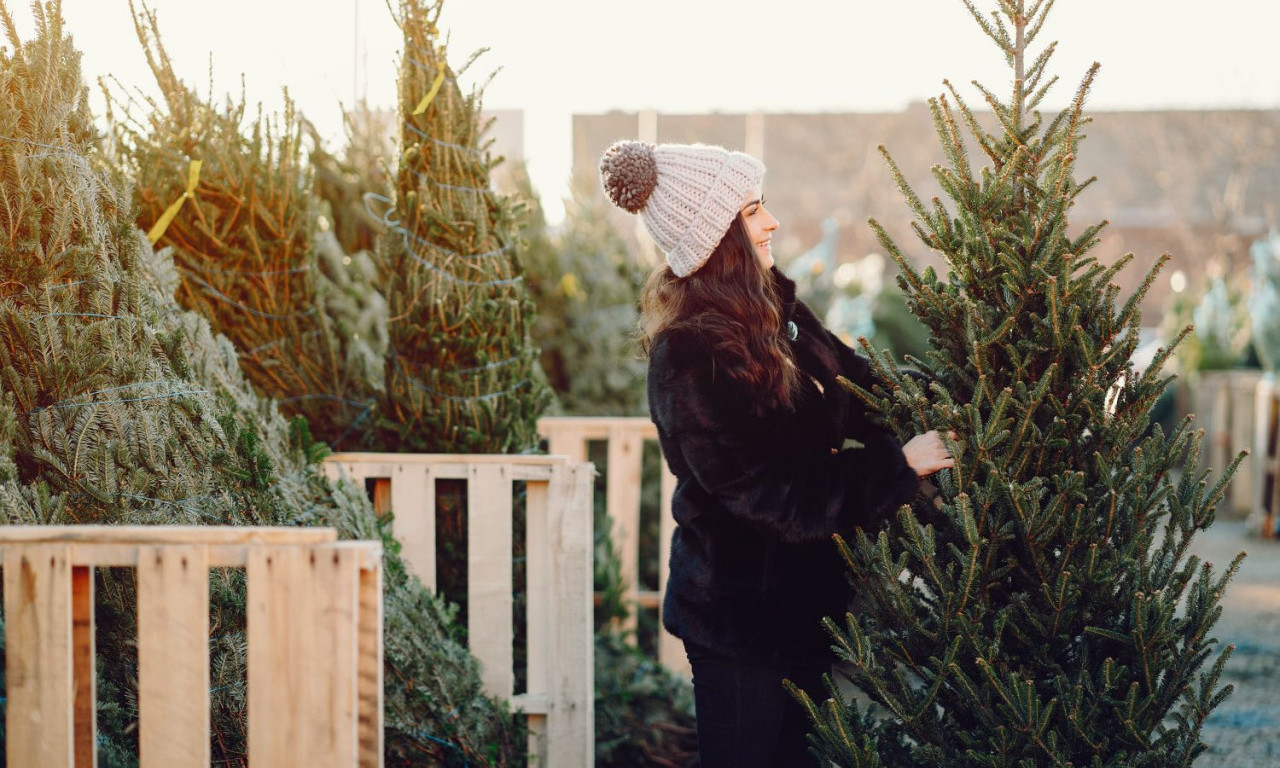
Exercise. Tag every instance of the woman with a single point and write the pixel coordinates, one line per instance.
(772, 456)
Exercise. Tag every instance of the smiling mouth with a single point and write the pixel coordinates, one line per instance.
(763, 244)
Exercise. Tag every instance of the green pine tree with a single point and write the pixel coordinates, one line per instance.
(1046, 612)
(461, 370)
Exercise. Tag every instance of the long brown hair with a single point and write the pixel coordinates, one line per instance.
(732, 300)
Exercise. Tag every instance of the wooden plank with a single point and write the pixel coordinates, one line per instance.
(532, 703)
(38, 656)
(445, 466)
(369, 681)
(84, 675)
(173, 656)
(164, 534)
(596, 427)
(279, 593)
(670, 648)
(564, 439)
(490, 603)
(413, 503)
(538, 554)
(622, 500)
(325, 658)
(392, 459)
(571, 714)
(126, 555)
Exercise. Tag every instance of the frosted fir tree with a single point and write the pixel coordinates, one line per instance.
(461, 368)
(1046, 611)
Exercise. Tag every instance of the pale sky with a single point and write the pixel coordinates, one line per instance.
(556, 58)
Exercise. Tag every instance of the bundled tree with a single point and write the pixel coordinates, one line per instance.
(460, 370)
(585, 282)
(119, 406)
(1046, 612)
(236, 208)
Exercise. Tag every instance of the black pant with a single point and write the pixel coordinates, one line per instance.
(745, 718)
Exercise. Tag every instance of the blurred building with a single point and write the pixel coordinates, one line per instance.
(506, 131)
(1200, 185)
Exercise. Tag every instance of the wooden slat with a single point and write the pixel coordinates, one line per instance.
(597, 427)
(566, 441)
(164, 534)
(126, 555)
(38, 656)
(413, 502)
(538, 621)
(84, 675)
(489, 598)
(533, 704)
(390, 460)
(444, 466)
(538, 555)
(369, 684)
(303, 658)
(571, 715)
(278, 587)
(327, 659)
(622, 494)
(173, 656)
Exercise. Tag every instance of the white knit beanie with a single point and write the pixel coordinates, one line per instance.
(686, 194)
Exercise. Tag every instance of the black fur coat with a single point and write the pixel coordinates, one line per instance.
(757, 498)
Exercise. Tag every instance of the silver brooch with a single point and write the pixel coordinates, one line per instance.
(792, 331)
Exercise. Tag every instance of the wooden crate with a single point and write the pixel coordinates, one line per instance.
(560, 700)
(314, 643)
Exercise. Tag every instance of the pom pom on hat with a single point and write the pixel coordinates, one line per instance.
(629, 173)
(687, 195)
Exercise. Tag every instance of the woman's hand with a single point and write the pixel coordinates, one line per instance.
(927, 453)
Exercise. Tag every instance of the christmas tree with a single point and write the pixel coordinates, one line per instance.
(460, 371)
(119, 406)
(1045, 611)
(233, 202)
(584, 283)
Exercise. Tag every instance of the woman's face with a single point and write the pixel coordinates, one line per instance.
(760, 225)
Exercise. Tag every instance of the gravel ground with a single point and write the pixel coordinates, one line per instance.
(1244, 732)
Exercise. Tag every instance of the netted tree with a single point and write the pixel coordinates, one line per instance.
(120, 406)
(1047, 611)
(232, 199)
(460, 370)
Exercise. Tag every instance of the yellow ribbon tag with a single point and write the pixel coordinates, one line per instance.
(193, 178)
(431, 94)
